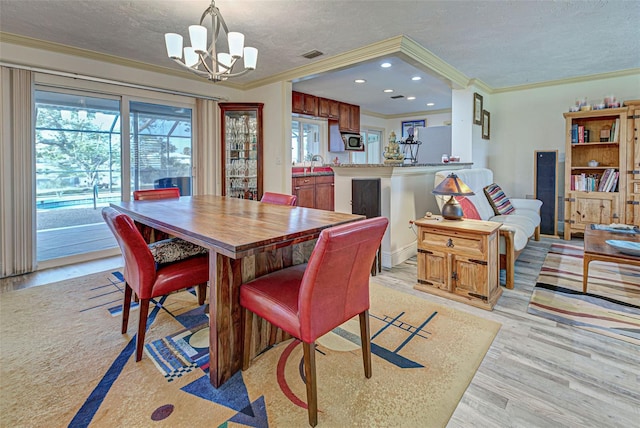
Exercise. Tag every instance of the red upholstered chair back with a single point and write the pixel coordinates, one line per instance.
(139, 265)
(151, 194)
(335, 286)
(278, 198)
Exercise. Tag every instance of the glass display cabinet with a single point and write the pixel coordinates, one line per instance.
(241, 150)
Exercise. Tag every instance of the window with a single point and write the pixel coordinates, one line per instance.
(160, 147)
(306, 138)
(372, 148)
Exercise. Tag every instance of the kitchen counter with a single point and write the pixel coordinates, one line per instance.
(298, 171)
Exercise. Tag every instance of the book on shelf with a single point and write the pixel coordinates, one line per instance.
(612, 182)
(615, 131)
(580, 134)
(603, 179)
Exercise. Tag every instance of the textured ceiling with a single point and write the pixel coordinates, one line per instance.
(501, 43)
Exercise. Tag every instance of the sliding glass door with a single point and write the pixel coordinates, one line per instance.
(80, 143)
(77, 146)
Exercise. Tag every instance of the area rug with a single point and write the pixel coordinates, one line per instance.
(611, 305)
(63, 362)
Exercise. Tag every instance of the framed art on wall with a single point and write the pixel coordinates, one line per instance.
(477, 108)
(411, 124)
(486, 125)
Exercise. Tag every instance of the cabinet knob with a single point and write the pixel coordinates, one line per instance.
(450, 243)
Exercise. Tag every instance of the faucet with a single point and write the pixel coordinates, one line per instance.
(314, 158)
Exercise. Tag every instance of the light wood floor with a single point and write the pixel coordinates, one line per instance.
(537, 373)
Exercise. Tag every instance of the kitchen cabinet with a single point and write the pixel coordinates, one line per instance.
(329, 109)
(600, 136)
(304, 103)
(459, 260)
(241, 138)
(349, 119)
(314, 191)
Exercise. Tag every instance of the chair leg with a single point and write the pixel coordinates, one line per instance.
(365, 338)
(310, 373)
(201, 292)
(142, 327)
(248, 331)
(126, 305)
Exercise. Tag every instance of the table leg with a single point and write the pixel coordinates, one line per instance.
(585, 272)
(225, 332)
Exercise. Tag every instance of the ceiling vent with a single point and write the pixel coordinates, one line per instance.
(312, 54)
(395, 97)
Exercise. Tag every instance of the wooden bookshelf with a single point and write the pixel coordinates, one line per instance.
(601, 136)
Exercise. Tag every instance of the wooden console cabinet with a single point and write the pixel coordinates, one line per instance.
(633, 163)
(459, 260)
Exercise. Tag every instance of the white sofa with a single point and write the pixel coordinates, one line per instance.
(517, 228)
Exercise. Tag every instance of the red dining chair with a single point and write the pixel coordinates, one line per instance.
(311, 299)
(168, 249)
(152, 194)
(143, 278)
(278, 198)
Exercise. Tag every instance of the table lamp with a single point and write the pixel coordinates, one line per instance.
(453, 186)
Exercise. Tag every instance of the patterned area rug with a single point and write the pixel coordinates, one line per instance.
(63, 362)
(611, 305)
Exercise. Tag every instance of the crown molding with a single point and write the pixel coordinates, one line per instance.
(479, 84)
(405, 115)
(29, 42)
(579, 79)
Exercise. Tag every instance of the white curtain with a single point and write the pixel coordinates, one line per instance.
(206, 150)
(17, 186)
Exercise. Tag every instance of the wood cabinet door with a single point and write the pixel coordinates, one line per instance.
(470, 278)
(304, 189)
(323, 107)
(324, 198)
(344, 119)
(596, 208)
(354, 118)
(310, 105)
(334, 109)
(297, 102)
(434, 268)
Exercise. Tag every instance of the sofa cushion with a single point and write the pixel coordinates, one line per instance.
(174, 249)
(498, 200)
(468, 208)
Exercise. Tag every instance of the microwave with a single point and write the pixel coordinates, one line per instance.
(353, 142)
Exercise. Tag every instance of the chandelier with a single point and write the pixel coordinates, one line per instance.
(207, 62)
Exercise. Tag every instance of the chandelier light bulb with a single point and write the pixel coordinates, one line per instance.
(250, 58)
(198, 36)
(191, 58)
(236, 44)
(173, 42)
(224, 62)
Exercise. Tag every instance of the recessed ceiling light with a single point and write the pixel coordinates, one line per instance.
(416, 78)
(430, 104)
(411, 98)
(388, 90)
(385, 65)
(360, 81)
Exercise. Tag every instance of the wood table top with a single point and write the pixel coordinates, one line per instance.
(231, 226)
(595, 242)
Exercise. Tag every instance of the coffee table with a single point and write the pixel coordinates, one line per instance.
(595, 248)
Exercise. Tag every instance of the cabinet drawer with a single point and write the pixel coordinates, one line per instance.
(455, 243)
(324, 179)
(304, 181)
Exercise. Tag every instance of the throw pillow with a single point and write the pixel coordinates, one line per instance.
(174, 249)
(498, 200)
(468, 208)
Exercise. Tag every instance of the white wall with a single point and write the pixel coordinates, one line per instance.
(529, 120)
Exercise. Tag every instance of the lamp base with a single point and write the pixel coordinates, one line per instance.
(452, 210)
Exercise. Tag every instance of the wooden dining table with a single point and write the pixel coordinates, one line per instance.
(246, 239)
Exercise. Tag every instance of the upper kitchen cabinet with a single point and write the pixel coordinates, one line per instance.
(329, 109)
(349, 119)
(241, 137)
(304, 103)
